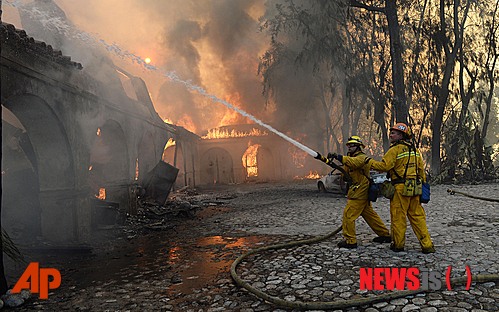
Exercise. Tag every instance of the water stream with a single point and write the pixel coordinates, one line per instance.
(60, 25)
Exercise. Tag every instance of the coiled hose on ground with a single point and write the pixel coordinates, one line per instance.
(326, 305)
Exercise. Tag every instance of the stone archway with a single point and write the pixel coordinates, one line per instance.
(109, 164)
(217, 167)
(259, 163)
(47, 207)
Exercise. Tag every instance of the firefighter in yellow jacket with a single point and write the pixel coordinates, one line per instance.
(405, 166)
(358, 204)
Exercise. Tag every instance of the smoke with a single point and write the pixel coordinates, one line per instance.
(215, 44)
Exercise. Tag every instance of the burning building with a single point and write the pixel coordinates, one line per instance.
(238, 154)
(69, 139)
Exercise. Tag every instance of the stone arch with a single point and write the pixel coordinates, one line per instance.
(45, 145)
(217, 167)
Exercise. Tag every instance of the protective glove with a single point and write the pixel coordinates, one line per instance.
(332, 155)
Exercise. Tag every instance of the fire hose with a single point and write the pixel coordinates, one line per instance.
(453, 192)
(325, 305)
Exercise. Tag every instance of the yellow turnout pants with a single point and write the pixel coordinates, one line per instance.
(361, 207)
(403, 208)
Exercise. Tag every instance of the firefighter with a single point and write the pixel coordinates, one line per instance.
(404, 165)
(356, 165)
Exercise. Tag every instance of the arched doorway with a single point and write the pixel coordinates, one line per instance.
(259, 163)
(109, 163)
(217, 167)
(44, 174)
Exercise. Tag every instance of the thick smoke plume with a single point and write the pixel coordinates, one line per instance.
(216, 44)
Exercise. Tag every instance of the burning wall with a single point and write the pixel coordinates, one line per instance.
(242, 153)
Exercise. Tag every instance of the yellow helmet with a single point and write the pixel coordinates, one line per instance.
(355, 140)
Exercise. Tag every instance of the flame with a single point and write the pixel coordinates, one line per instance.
(171, 142)
(312, 175)
(147, 60)
(168, 121)
(232, 117)
(90, 168)
(98, 131)
(250, 160)
(102, 194)
(218, 133)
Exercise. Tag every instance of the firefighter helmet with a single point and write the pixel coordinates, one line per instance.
(402, 127)
(355, 140)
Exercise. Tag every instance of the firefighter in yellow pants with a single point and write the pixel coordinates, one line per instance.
(356, 165)
(404, 164)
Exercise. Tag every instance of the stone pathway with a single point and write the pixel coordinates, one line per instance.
(464, 231)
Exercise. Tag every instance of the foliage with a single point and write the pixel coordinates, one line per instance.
(450, 72)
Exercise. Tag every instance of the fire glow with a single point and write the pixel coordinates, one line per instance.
(312, 175)
(218, 133)
(171, 142)
(102, 194)
(250, 160)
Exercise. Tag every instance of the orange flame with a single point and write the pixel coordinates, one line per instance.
(232, 117)
(250, 160)
(218, 133)
(312, 175)
(102, 194)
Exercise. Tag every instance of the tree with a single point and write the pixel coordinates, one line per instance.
(450, 41)
(399, 96)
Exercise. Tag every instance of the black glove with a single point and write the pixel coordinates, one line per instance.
(319, 156)
(332, 155)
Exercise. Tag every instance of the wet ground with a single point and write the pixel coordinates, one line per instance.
(186, 266)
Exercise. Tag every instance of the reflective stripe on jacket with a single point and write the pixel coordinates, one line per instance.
(395, 160)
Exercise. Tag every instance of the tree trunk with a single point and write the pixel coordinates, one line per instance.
(399, 96)
(443, 95)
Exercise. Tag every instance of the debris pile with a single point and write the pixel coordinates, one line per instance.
(181, 205)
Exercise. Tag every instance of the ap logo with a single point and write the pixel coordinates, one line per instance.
(37, 280)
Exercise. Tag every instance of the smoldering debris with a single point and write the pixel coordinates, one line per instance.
(151, 216)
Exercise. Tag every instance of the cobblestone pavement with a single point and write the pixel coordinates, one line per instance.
(187, 269)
